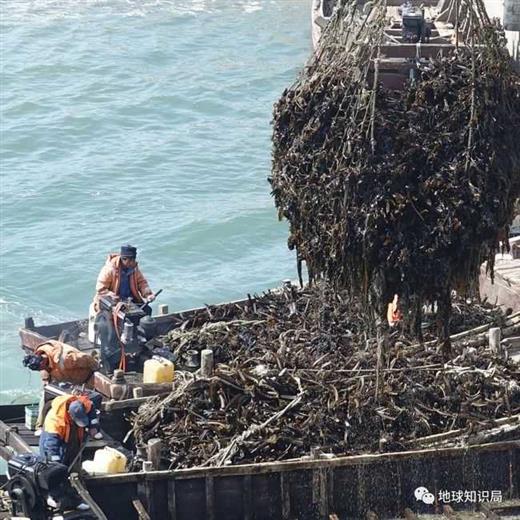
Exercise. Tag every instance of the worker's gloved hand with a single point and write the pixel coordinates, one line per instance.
(150, 298)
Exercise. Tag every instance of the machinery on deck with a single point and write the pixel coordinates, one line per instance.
(415, 28)
(31, 479)
(122, 330)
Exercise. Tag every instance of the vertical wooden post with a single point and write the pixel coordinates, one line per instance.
(210, 498)
(153, 450)
(206, 362)
(172, 504)
(495, 335)
(248, 497)
(285, 495)
(320, 495)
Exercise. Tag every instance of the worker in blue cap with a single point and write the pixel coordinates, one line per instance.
(65, 424)
(63, 434)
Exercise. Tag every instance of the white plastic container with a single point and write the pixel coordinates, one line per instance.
(107, 461)
(158, 370)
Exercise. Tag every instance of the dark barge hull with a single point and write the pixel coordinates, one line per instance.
(348, 487)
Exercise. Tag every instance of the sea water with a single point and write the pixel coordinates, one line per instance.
(142, 122)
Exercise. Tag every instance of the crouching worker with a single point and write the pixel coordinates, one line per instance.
(60, 363)
(64, 433)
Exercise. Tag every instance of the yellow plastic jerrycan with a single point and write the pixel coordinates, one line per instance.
(158, 370)
(108, 460)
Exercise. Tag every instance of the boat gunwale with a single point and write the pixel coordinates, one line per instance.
(295, 465)
(161, 318)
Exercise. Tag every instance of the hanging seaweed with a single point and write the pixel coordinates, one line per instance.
(399, 191)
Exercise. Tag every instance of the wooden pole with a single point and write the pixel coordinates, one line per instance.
(495, 335)
(153, 450)
(85, 495)
(206, 362)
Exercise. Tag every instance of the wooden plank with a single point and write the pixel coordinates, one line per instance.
(10, 439)
(410, 50)
(320, 492)
(109, 406)
(323, 501)
(210, 498)
(145, 494)
(31, 339)
(248, 497)
(172, 502)
(361, 495)
(141, 511)
(330, 488)
(86, 497)
(285, 495)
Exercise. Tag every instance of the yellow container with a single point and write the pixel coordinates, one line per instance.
(158, 370)
(108, 461)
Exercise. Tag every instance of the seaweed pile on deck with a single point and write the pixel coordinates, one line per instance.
(299, 371)
(399, 192)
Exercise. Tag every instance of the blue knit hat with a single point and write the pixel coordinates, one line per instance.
(128, 250)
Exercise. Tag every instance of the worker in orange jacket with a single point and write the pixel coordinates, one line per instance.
(121, 278)
(60, 363)
(63, 434)
(64, 426)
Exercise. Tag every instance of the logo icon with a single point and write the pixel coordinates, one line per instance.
(423, 495)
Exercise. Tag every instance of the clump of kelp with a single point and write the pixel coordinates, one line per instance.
(399, 191)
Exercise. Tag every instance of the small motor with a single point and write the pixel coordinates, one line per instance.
(30, 479)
